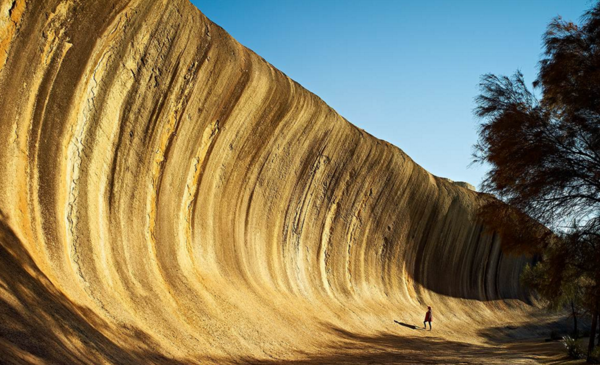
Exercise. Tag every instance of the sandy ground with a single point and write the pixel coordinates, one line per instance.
(424, 347)
(391, 349)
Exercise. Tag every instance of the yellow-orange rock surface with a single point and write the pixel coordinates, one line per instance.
(168, 196)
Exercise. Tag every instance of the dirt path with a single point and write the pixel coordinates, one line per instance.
(391, 349)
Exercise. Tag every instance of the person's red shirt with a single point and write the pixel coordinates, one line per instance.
(428, 317)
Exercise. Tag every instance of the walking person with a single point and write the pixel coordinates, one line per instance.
(428, 318)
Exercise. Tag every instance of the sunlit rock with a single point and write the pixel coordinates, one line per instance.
(167, 196)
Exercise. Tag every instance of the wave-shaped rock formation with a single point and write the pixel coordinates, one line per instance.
(168, 196)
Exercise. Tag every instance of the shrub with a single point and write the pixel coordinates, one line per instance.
(595, 356)
(573, 348)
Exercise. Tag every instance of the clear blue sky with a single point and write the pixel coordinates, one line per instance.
(404, 71)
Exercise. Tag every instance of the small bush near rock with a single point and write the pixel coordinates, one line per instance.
(595, 356)
(573, 348)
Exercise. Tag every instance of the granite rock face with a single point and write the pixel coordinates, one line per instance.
(166, 195)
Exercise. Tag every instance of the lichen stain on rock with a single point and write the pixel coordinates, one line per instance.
(11, 12)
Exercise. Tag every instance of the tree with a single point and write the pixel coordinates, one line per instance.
(563, 287)
(545, 155)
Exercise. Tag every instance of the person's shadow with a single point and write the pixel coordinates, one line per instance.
(411, 326)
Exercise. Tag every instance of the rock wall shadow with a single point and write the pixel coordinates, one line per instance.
(40, 324)
(470, 267)
(538, 327)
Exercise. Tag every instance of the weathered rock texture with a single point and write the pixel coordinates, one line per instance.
(167, 195)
